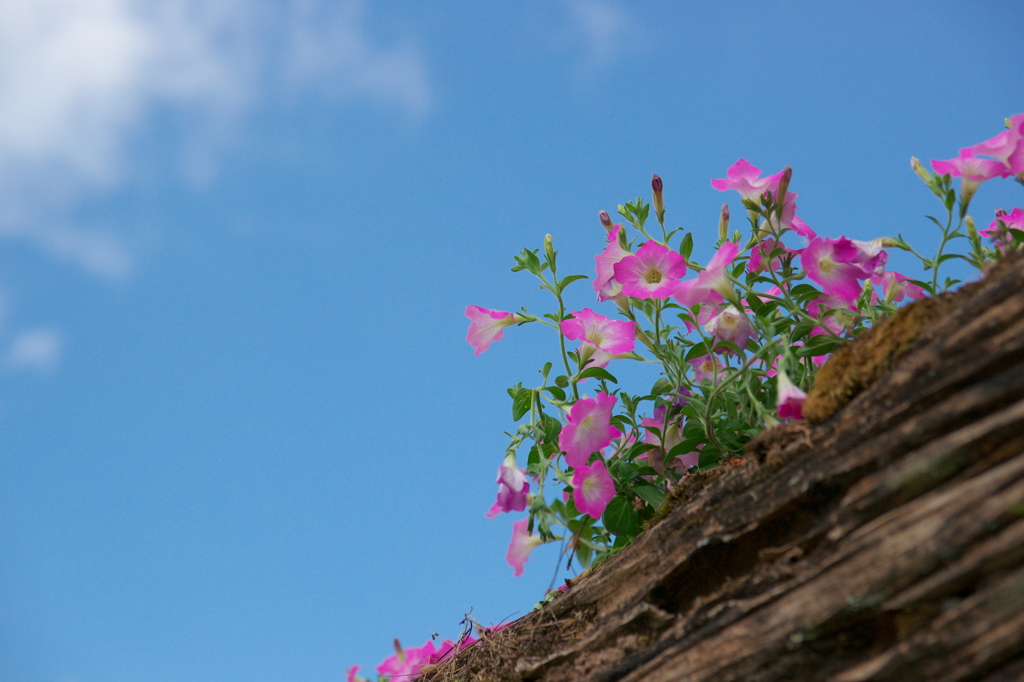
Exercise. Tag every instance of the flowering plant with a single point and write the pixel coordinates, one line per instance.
(736, 342)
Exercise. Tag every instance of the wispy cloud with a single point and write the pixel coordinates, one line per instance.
(600, 27)
(82, 80)
(36, 349)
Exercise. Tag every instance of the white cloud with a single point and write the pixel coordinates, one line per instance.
(601, 27)
(81, 80)
(37, 349)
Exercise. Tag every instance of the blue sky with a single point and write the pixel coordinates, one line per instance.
(243, 435)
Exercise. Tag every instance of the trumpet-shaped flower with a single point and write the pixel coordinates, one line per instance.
(790, 398)
(746, 179)
(653, 272)
(833, 263)
(604, 333)
(971, 170)
(588, 428)
(512, 488)
(523, 542)
(487, 326)
(406, 663)
(711, 280)
(730, 325)
(1012, 221)
(707, 368)
(592, 488)
(802, 229)
(895, 287)
(872, 257)
(605, 284)
(1007, 147)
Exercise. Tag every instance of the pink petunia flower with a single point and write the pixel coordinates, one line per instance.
(971, 170)
(707, 368)
(605, 284)
(730, 325)
(588, 428)
(592, 488)
(513, 488)
(653, 272)
(352, 675)
(832, 263)
(802, 229)
(1011, 221)
(712, 279)
(666, 433)
(406, 663)
(872, 257)
(895, 287)
(746, 179)
(790, 398)
(1007, 147)
(604, 333)
(487, 326)
(522, 544)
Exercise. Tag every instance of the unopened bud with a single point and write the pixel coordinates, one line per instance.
(398, 650)
(549, 248)
(723, 223)
(787, 175)
(972, 230)
(659, 200)
(890, 243)
(737, 236)
(606, 220)
(921, 171)
(1001, 212)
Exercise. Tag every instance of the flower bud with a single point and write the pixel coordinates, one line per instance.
(787, 175)
(890, 243)
(1001, 213)
(659, 200)
(549, 248)
(723, 223)
(921, 171)
(606, 220)
(972, 230)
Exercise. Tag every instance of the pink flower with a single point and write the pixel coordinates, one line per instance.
(871, 256)
(653, 272)
(895, 287)
(591, 356)
(971, 170)
(664, 432)
(592, 488)
(730, 325)
(802, 229)
(406, 664)
(588, 428)
(1007, 147)
(487, 326)
(746, 179)
(711, 280)
(708, 368)
(759, 255)
(790, 398)
(512, 488)
(522, 544)
(1012, 221)
(606, 334)
(352, 676)
(605, 284)
(832, 263)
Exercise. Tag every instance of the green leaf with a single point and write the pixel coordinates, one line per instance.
(521, 404)
(561, 381)
(531, 261)
(650, 494)
(686, 247)
(619, 517)
(599, 373)
(661, 387)
(709, 457)
(698, 350)
(566, 281)
(823, 344)
(556, 393)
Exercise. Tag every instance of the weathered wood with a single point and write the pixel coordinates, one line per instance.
(884, 543)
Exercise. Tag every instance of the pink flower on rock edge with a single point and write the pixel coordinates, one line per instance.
(746, 179)
(588, 428)
(522, 544)
(513, 488)
(711, 280)
(592, 488)
(406, 663)
(1012, 221)
(605, 284)
(606, 334)
(653, 272)
(790, 398)
(487, 326)
(832, 263)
